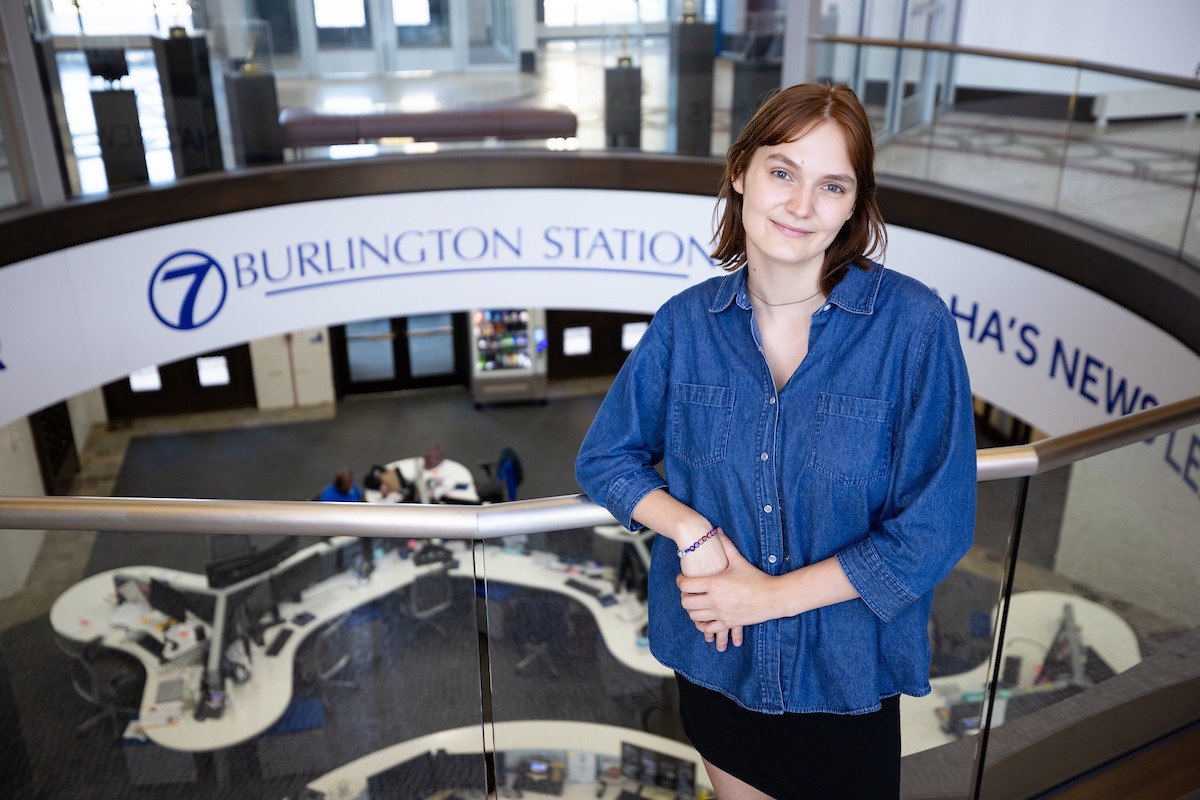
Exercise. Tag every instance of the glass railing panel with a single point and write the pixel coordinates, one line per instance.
(1001, 131)
(938, 731)
(1103, 615)
(111, 691)
(1132, 160)
(576, 696)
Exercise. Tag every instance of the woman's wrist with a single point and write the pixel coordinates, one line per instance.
(694, 546)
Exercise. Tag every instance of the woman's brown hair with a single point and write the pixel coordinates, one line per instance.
(786, 116)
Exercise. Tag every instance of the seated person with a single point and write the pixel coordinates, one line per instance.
(342, 489)
(394, 489)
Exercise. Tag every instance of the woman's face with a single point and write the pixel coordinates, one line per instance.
(795, 198)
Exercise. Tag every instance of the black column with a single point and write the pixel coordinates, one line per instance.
(690, 97)
(120, 134)
(254, 118)
(185, 75)
(623, 107)
(754, 79)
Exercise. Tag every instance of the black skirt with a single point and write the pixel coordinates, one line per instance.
(796, 756)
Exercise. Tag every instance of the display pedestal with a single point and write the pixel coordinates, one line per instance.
(254, 118)
(120, 134)
(623, 107)
(191, 113)
(753, 81)
(691, 87)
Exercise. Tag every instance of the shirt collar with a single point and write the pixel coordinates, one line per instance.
(856, 292)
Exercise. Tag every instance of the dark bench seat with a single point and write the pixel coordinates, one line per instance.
(304, 127)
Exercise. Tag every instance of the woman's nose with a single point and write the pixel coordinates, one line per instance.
(799, 202)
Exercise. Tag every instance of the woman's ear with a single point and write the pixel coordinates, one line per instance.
(738, 183)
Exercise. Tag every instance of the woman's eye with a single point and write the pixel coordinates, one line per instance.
(833, 187)
(780, 173)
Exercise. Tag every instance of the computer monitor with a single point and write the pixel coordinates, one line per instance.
(632, 574)
(223, 572)
(652, 768)
(290, 583)
(170, 601)
(410, 780)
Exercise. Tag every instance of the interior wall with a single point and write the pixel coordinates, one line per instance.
(1153, 35)
(293, 369)
(86, 410)
(20, 477)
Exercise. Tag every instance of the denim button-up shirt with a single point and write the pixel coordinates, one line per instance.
(866, 454)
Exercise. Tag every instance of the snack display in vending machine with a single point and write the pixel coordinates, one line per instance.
(509, 347)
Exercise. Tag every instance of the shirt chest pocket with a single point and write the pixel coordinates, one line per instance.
(701, 416)
(853, 438)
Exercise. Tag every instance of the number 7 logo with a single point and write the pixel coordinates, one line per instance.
(182, 296)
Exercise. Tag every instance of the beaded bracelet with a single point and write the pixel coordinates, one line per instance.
(698, 542)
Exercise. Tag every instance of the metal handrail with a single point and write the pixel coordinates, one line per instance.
(1009, 55)
(501, 519)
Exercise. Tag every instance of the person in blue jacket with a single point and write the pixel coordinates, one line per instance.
(342, 489)
(812, 416)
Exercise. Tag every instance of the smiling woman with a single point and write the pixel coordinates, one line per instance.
(811, 535)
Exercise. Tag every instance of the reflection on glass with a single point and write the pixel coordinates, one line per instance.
(1104, 585)
(410, 12)
(425, 23)
(577, 341)
(430, 345)
(145, 379)
(339, 14)
(213, 371)
(631, 334)
(369, 351)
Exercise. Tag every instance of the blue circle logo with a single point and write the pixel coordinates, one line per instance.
(187, 290)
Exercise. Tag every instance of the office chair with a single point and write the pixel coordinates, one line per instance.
(430, 593)
(539, 628)
(325, 651)
(110, 681)
(505, 475)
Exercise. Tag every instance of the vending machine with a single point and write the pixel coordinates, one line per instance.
(509, 348)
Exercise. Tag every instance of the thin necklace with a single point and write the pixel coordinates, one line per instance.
(792, 303)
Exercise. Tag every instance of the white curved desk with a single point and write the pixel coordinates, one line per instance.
(350, 780)
(87, 609)
(1033, 620)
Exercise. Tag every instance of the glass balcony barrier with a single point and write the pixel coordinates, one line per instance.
(1111, 148)
(496, 649)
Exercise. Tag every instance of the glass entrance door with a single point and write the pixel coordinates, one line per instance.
(420, 351)
(372, 37)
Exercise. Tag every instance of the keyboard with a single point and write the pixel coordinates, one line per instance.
(150, 644)
(279, 641)
(584, 587)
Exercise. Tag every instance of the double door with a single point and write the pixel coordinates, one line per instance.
(380, 355)
(378, 37)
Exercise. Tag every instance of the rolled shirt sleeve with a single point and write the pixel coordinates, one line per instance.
(615, 466)
(931, 522)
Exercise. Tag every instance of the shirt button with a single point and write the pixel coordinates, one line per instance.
(764, 456)
(772, 401)
(771, 559)
(826, 307)
(767, 508)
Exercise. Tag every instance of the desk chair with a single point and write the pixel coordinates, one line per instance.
(505, 475)
(430, 594)
(111, 682)
(325, 651)
(539, 628)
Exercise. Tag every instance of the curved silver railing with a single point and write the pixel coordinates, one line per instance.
(503, 519)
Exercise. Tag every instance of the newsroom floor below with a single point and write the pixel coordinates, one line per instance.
(409, 680)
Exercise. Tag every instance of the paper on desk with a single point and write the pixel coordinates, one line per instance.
(161, 714)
